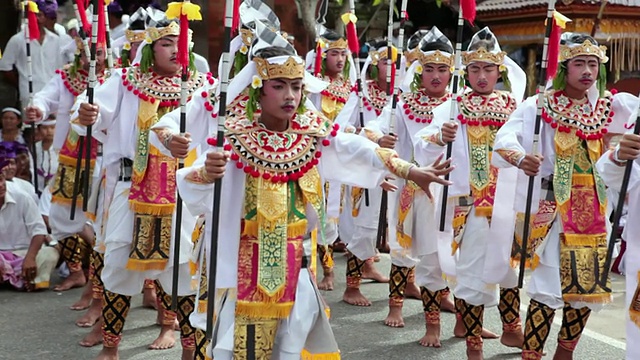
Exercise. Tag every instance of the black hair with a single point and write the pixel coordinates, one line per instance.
(332, 35)
(489, 45)
(137, 25)
(273, 51)
(578, 39)
(432, 46)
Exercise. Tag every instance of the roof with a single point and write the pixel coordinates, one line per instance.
(495, 5)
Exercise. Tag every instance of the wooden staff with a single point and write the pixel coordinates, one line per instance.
(452, 112)
(542, 80)
(217, 190)
(618, 213)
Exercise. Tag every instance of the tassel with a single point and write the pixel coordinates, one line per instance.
(350, 20)
(318, 64)
(82, 10)
(235, 21)
(468, 10)
(32, 19)
(184, 11)
(559, 23)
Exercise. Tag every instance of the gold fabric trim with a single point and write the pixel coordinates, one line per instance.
(396, 165)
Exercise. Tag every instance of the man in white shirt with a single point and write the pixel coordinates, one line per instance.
(46, 154)
(46, 54)
(26, 260)
(8, 153)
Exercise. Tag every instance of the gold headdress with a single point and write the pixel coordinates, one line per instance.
(435, 57)
(482, 55)
(382, 54)
(486, 49)
(289, 69)
(570, 51)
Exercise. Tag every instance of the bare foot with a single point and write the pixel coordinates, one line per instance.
(149, 298)
(562, 354)
(412, 291)
(85, 298)
(447, 305)
(369, 272)
(432, 337)
(160, 318)
(188, 354)
(327, 281)
(75, 280)
(108, 353)
(474, 355)
(459, 331)
(92, 315)
(94, 337)
(353, 296)
(513, 339)
(394, 318)
(166, 339)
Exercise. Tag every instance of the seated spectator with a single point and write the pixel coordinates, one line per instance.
(26, 260)
(23, 163)
(8, 153)
(10, 130)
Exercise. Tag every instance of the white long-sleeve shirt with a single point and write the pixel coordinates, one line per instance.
(20, 219)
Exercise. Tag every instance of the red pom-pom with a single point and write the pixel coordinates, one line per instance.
(255, 173)
(212, 141)
(326, 142)
(235, 157)
(130, 88)
(314, 161)
(405, 106)
(153, 100)
(604, 131)
(247, 169)
(266, 176)
(411, 117)
(239, 165)
(612, 114)
(460, 117)
(227, 147)
(211, 81)
(318, 154)
(369, 108)
(334, 133)
(614, 91)
(204, 94)
(459, 98)
(336, 126)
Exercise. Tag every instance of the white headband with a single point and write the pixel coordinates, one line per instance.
(13, 110)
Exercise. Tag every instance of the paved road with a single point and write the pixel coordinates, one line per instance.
(40, 326)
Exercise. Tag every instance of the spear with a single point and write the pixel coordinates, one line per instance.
(97, 6)
(542, 80)
(217, 190)
(350, 21)
(393, 93)
(454, 106)
(618, 213)
(186, 11)
(31, 32)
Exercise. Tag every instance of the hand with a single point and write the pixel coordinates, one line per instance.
(215, 164)
(629, 147)
(88, 114)
(449, 131)
(424, 176)
(179, 145)
(388, 141)
(29, 269)
(32, 114)
(387, 185)
(530, 164)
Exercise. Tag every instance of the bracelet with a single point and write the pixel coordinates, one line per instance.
(167, 140)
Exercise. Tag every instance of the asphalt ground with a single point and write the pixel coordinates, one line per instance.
(40, 326)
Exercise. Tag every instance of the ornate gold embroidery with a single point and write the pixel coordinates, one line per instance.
(512, 156)
(377, 98)
(482, 55)
(290, 69)
(260, 333)
(418, 106)
(396, 165)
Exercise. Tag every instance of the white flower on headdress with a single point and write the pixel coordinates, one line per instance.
(256, 82)
(126, 46)
(502, 68)
(419, 69)
(148, 40)
(244, 49)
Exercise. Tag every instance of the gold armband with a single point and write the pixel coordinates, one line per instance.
(164, 135)
(512, 156)
(199, 176)
(373, 135)
(434, 139)
(397, 166)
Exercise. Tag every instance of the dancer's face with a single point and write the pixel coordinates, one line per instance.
(483, 77)
(435, 78)
(582, 72)
(336, 60)
(280, 98)
(165, 56)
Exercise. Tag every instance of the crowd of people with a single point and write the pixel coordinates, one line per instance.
(115, 190)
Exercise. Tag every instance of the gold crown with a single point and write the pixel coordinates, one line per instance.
(134, 36)
(338, 44)
(290, 69)
(411, 55)
(586, 48)
(80, 44)
(482, 55)
(247, 36)
(435, 57)
(172, 29)
(377, 56)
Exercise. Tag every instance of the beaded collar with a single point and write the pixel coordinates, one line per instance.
(418, 106)
(76, 83)
(566, 114)
(165, 89)
(338, 89)
(278, 156)
(377, 97)
(486, 110)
